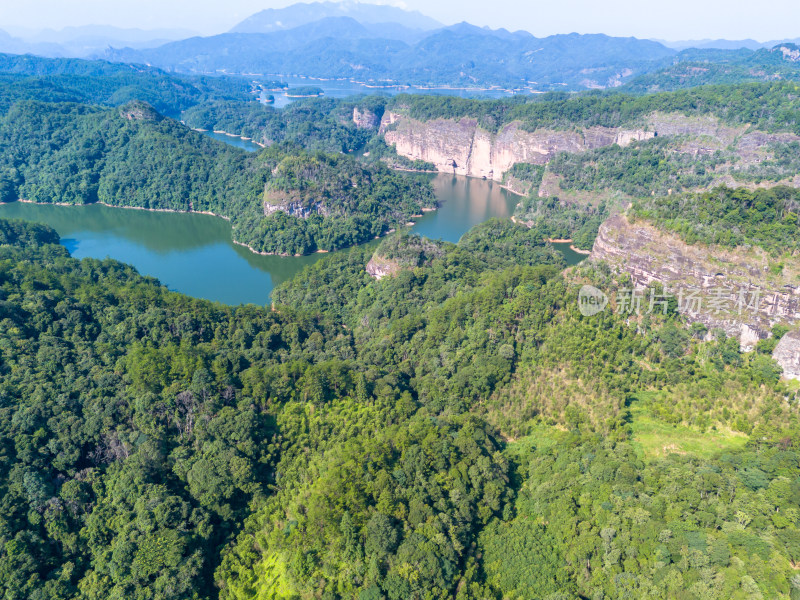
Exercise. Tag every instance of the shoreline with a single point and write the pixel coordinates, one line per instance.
(165, 210)
(254, 251)
(403, 86)
(437, 172)
(191, 212)
(572, 246)
(234, 135)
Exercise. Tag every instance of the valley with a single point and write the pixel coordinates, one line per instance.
(521, 322)
(194, 253)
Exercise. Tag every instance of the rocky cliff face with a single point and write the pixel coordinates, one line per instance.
(787, 354)
(139, 111)
(464, 148)
(365, 118)
(274, 201)
(729, 289)
(789, 52)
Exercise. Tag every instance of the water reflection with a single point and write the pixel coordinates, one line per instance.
(464, 203)
(195, 254)
(190, 253)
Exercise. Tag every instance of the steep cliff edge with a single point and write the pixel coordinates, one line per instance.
(787, 354)
(731, 152)
(732, 289)
(464, 148)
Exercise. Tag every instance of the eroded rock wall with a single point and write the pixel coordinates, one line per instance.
(464, 148)
(737, 291)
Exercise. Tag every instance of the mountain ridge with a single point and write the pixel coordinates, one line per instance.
(302, 13)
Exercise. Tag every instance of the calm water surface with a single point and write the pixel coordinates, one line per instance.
(234, 141)
(189, 253)
(195, 254)
(345, 89)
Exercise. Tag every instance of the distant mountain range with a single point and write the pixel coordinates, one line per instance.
(384, 45)
(693, 67)
(86, 41)
(725, 44)
(461, 55)
(278, 19)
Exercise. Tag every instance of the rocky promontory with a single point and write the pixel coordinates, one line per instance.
(731, 289)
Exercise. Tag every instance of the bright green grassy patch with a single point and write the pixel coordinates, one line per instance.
(654, 438)
(541, 437)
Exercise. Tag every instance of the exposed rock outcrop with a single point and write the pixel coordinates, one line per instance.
(275, 201)
(730, 289)
(790, 52)
(365, 118)
(139, 111)
(464, 148)
(402, 252)
(787, 354)
(380, 267)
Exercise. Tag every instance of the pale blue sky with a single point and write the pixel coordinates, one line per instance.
(667, 19)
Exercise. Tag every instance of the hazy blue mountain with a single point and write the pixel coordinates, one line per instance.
(721, 44)
(461, 55)
(109, 34)
(395, 31)
(713, 44)
(277, 19)
(85, 41)
(15, 45)
(697, 66)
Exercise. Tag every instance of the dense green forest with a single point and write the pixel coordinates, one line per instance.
(695, 67)
(729, 217)
(455, 429)
(99, 82)
(769, 106)
(319, 124)
(316, 124)
(552, 219)
(422, 436)
(638, 170)
(132, 156)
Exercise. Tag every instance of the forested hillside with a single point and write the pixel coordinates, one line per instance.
(426, 435)
(284, 200)
(100, 82)
(412, 419)
(316, 124)
(769, 106)
(695, 67)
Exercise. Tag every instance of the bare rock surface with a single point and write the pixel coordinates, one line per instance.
(464, 148)
(732, 289)
(787, 354)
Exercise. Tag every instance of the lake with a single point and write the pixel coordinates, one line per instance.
(234, 140)
(344, 89)
(194, 254)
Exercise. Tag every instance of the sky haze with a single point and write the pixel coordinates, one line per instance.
(672, 20)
